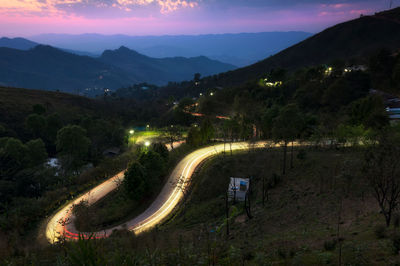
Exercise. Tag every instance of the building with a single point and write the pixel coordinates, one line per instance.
(238, 188)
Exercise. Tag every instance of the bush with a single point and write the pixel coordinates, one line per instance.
(302, 154)
(396, 221)
(330, 245)
(135, 183)
(396, 243)
(274, 181)
(380, 231)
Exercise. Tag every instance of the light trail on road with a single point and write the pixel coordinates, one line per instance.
(61, 224)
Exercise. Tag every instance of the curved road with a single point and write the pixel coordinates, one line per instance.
(61, 224)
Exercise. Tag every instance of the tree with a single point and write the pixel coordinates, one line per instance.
(37, 151)
(73, 146)
(154, 165)
(287, 127)
(231, 130)
(2, 131)
(197, 77)
(161, 149)
(369, 111)
(14, 156)
(54, 123)
(36, 124)
(193, 138)
(396, 73)
(172, 134)
(382, 171)
(135, 182)
(206, 130)
(38, 109)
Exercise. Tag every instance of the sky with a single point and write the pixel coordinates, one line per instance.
(24, 18)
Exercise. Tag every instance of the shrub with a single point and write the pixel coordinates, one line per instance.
(302, 154)
(330, 245)
(380, 231)
(396, 243)
(396, 221)
(274, 181)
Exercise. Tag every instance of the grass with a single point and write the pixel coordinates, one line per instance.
(297, 226)
(301, 214)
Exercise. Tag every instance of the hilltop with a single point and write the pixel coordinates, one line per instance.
(161, 70)
(49, 68)
(346, 41)
(239, 49)
(17, 43)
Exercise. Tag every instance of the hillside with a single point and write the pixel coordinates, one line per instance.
(48, 68)
(343, 41)
(163, 70)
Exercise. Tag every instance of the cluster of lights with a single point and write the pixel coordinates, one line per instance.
(328, 71)
(347, 70)
(272, 84)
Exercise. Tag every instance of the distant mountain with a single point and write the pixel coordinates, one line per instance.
(237, 49)
(162, 70)
(355, 38)
(25, 44)
(48, 68)
(17, 43)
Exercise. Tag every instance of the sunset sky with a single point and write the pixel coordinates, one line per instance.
(158, 17)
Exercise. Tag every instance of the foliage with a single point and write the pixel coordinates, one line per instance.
(193, 137)
(380, 231)
(36, 124)
(155, 166)
(330, 245)
(382, 171)
(136, 183)
(161, 149)
(206, 130)
(73, 146)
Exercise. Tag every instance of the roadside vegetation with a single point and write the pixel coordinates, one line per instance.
(323, 211)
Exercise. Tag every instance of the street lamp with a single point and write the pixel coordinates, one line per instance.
(211, 94)
(147, 143)
(131, 131)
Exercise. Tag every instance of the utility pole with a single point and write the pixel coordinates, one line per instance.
(247, 205)
(227, 213)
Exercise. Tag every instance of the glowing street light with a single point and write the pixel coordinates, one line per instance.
(211, 94)
(131, 131)
(147, 143)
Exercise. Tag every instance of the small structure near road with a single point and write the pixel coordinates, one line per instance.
(238, 188)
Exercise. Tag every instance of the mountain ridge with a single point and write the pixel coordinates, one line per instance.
(49, 68)
(344, 41)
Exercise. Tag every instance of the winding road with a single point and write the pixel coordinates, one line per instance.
(61, 224)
